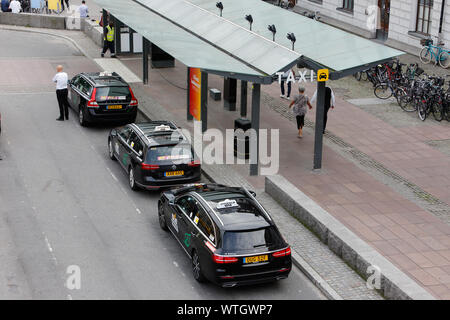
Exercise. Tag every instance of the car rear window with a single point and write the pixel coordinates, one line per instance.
(169, 154)
(251, 239)
(113, 93)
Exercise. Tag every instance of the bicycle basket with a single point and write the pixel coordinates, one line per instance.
(419, 71)
(426, 42)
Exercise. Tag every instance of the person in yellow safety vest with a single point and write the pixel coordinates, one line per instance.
(108, 40)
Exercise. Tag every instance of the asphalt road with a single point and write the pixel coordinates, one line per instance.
(64, 203)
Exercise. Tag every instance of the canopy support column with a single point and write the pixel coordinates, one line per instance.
(145, 52)
(243, 98)
(189, 116)
(204, 101)
(320, 111)
(229, 94)
(256, 101)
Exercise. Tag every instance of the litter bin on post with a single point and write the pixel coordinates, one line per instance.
(242, 139)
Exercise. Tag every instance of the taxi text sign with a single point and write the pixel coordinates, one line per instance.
(323, 75)
(195, 86)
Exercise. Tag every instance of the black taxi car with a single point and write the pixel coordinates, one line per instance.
(154, 154)
(100, 97)
(230, 238)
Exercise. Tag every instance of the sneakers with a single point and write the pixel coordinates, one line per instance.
(103, 55)
(282, 96)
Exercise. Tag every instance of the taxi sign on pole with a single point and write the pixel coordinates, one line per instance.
(323, 75)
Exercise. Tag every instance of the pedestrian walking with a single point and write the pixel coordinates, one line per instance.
(285, 78)
(61, 79)
(299, 105)
(84, 10)
(108, 40)
(5, 6)
(330, 102)
(15, 6)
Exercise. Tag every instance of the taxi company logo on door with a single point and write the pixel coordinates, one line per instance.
(187, 239)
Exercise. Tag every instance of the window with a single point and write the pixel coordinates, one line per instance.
(251, 239)
(347, 5)
(204, 223)
(125, 133)
(84, 86)
(423, 21)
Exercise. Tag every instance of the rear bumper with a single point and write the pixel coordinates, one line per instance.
(93, 116)
(250, 279)
(166, 183)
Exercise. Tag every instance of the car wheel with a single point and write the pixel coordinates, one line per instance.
(111, 150)
(161, 217)
(196, 268)
(81, 117)
(131, 180)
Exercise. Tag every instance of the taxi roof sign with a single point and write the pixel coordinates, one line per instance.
(163, 128)
(227, 204)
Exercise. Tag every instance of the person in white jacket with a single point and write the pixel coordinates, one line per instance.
(15, 6)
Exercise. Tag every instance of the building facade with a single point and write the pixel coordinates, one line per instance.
(400, 23)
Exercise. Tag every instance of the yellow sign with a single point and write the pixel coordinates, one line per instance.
(323, 75)
(54, 5)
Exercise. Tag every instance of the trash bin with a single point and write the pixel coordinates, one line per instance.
(239, 139)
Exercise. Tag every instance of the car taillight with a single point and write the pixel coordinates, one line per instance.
(218, 258)
(282, 253)
(133, 102)
(194, 163)
(145, 166)
(92, 103)
(224, 259)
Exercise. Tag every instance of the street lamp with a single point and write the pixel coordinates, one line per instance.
(273, 30)
(291, 37)
(249, 18)
(220, 6)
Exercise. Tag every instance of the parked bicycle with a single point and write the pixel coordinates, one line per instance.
(437, 53)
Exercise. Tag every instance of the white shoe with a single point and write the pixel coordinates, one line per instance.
(282, 96)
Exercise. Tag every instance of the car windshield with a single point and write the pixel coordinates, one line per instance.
(113, 93)
(249, 240)
(169, 154)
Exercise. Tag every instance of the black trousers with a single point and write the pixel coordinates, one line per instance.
(289, 87)
(109, 45)
(61, 95)
(300, 121)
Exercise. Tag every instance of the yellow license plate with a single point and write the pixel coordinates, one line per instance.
(173, 173)
(256, 259)
(115, 107)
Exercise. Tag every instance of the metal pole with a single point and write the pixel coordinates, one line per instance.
(320, 111)
(118, 43)
(256, 101)
(243, 99)
(145, 51)
(204, 101)
(188, 97)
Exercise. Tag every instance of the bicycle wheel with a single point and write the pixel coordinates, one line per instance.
(383, 91)
(425, 55)
(407, 104)
(358, 76)
(422, 111)
(364, 76)
(438, 111)
(444, 59)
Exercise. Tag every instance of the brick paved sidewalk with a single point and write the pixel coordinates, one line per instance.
(361, 181)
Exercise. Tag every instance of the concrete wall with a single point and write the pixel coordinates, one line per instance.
(355, 22)
(403, 15)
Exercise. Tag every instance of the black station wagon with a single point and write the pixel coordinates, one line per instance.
(101, 97)
(230, 238)
(154, 154)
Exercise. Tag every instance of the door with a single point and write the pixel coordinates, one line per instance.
(384, 7)
(122, 148)
(180, 221)
(73, 93)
